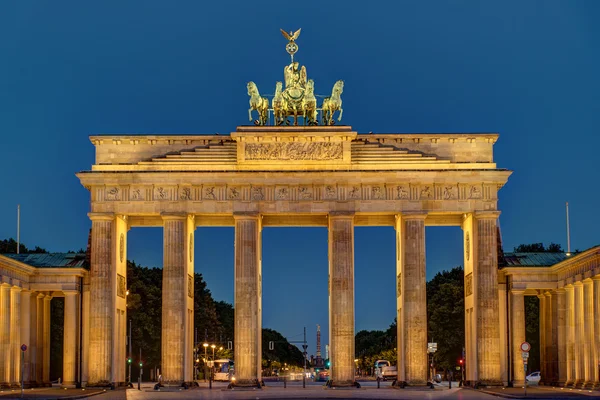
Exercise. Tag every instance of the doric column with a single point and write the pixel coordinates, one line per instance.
(178, 292)
(85, 335)
(26, 333)
(579, 335)
(70, 338)
(5, 360)
(341, 298)
(485, 286)
(543, 344)
(15, 335)
(517, 300)
(588, 325)
(551, 339)
(561, 306)
(596, 343)
(102, 294)
(39, 367)
(247, 295)
(570, 333)
(412, 325)
(46, 341)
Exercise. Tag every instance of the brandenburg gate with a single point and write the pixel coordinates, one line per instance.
(293, 174)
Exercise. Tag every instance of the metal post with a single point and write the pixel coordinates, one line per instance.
(141, 369)
(304, 348)
(284, 381)
(18, 227)
(525, 368)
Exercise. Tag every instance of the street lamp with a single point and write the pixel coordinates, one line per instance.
(205, 347)
(212, 368)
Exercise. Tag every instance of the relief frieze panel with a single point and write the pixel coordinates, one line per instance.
(293, 151)
(164, 193)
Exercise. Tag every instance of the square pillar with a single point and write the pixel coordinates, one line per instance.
(178, 298)
(247, 299)
(561, 305)
(570, 334)
(542, 330)
(26, 335)
(85, 335)
(411, 288)
(108, 286)
(517, 321)
(5, 361)
(341, 298)
(579, 336)
(70, 338)
(15, 336)
(588, 326)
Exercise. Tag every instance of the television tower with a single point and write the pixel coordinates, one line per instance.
(319, 361)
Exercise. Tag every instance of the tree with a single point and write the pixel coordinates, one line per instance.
(283, 351)
(538, 248)
(446, 316)
(9, 246)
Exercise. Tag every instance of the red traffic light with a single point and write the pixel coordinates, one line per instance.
(460, 361)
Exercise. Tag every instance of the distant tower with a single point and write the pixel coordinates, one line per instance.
(319, 360)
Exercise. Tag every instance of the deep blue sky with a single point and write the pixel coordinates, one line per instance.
(526, 69)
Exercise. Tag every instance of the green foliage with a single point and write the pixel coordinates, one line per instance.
(56, 337)
(538, 248)
(283, 351)
(446, 316)
(532, 331)
(10, 246)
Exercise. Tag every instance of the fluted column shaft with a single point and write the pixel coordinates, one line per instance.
(486, 288)
(247, 299)
(570, 332)
(26, 333)
(39, 367)
(101, 304)
(175, 317)
(70, 338)
(15, 335)
(588, 327)
(561, 306)
(597, 330)
(543, 344)
(579, 335)
(551, 339)
(5, 334)
(517, 299)
(46, 337)
(413, 323)
(341, 298)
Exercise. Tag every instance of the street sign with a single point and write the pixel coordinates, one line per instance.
(431, 347)
(525, 355)
(23, 347)
(525, 346)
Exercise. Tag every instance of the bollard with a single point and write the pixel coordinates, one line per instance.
(284, 382)
(449, 383)
(378, 380)
(304, 381)
(210, 379)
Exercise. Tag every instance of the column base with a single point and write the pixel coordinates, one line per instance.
(342, 384)
(588, 385)
(518, 383)
(403, 384)
(578, 384)
(245, 384)
(69, 385)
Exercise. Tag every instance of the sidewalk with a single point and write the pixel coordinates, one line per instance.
(537, 392)
(51, 393)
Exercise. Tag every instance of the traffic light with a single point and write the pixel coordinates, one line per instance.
(129, 361)
(140, 364)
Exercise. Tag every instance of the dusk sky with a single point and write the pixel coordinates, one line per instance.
(528, 70)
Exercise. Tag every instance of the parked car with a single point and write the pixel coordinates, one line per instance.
(533, 378)
(437, 378)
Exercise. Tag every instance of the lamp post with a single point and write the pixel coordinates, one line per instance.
(205, 347)
(212, 368)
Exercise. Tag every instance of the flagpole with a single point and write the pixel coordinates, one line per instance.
(18, 227)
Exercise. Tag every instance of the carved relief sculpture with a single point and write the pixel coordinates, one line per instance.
(121, 286)
(401, 193)
(282, 194)
(257, 193)
(234, 193)
(190, 286)
(121, 247)
(474, 192)
(136, 194)
(450, 192)
(304, 193)
(354, 193)
(376, 193)
(162, 194)
(330, 192)
(294, 151)
(112, 194)
(209, 193)
(186, 194)
(468, 284)
(426, 193)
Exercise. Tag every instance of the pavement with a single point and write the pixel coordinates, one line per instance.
(294, 390)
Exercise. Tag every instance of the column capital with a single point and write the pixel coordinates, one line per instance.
(486, 214)
(413, 216)
(596, 278)
(246, 215)
(15, 288)
(5, 285)
(96, 216)
(517, 291)
(569, 287)
(47, 297)
(578, 283)
(70, 292)
(173, 216)
(341, 215)
(561, 290)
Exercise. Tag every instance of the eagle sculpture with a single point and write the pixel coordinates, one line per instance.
(292, 35)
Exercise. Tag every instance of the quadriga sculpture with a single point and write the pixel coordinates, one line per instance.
(332, 104)
(258, 103)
